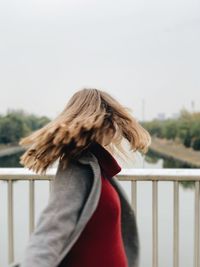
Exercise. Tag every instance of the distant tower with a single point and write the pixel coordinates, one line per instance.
(143, 110)
(193, 106)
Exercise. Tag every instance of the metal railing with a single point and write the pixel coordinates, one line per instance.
(154, 175)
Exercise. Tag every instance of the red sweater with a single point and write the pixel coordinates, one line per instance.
(100, 243)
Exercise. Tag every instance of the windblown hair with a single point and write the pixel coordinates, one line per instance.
(89, 115)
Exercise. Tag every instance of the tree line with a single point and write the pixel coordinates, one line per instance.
(185, 128)
(18, 123)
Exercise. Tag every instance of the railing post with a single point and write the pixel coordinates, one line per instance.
(176, 225)
(196, 226)
(10, 223)
(50, 186)
(155, 223)
(134, 196)
(31, 206)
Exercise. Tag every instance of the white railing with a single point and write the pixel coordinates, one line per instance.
(174, 175)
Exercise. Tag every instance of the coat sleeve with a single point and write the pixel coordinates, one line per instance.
(58, 219)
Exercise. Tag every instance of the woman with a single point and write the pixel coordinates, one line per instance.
(88, 221)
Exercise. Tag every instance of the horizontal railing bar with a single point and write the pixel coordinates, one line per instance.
(158, 178)
(124, 175)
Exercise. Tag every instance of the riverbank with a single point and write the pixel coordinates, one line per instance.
(176, 151)
(9, 149)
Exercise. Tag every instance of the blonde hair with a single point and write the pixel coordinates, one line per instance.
(87, 117)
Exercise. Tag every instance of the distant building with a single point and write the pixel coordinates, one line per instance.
(161, 116)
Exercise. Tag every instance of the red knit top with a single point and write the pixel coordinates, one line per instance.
(100, 243)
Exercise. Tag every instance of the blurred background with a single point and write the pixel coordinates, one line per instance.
(144, 53)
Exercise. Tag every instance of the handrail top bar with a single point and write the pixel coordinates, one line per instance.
(125, 174)
(124, 171)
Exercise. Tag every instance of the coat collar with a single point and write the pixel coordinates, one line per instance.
(108, 164)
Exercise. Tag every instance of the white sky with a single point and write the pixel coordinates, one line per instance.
(132, 49)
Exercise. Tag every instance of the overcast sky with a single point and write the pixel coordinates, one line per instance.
(134, 50)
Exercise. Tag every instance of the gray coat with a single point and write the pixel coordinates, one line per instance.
(73, 199)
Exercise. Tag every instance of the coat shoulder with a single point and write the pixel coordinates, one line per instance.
(75, 176)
